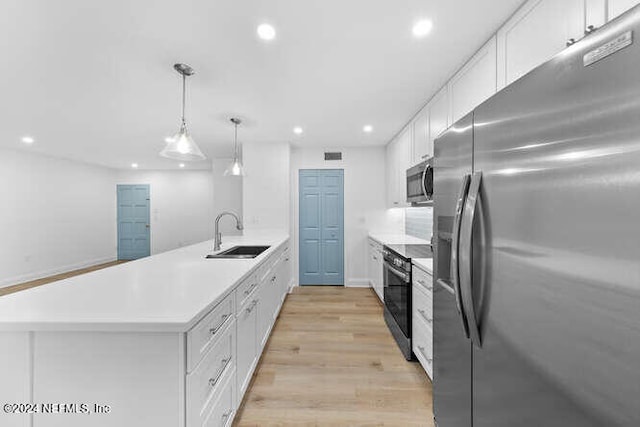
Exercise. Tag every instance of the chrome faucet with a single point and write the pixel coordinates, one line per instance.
(218, 236)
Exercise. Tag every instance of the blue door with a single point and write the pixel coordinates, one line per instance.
(133, 221)
(321, 227)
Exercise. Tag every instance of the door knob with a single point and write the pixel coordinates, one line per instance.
(147, 225)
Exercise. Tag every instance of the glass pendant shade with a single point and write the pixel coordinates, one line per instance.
(235, 168)
(182, 147)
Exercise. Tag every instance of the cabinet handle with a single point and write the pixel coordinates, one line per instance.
(216, 328)
(590, 29)
(224, 362)
(248, 291)
(252, 306)
(571, 42)
(273, 279)
(374, 257)
(426, 156)
(225, 417)
(424, 353)
(424, 315)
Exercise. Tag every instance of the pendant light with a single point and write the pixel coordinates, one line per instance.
(235, 168)
(181, 146)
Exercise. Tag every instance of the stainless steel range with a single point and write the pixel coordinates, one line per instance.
(397, 291)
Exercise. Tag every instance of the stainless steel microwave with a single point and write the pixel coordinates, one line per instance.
(420, 183)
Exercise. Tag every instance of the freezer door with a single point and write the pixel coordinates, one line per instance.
(559, 311)
(452, 349)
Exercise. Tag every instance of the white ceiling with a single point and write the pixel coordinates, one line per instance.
(93, 80)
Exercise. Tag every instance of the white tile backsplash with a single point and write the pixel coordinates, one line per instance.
(418, 222)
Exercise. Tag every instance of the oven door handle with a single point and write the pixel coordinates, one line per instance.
(397, 272)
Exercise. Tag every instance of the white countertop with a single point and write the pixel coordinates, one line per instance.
(425, 264)
(168, 292)
(397, 239)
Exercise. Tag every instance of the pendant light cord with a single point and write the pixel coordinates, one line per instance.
(235, 149)
(184, 86)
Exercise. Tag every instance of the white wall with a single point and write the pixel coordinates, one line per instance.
(227, 195)
(266, 186)
(181, 206)
(56, 215)
(364, 202)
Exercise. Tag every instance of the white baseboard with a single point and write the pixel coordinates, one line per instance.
(53, 271)
(358, 283)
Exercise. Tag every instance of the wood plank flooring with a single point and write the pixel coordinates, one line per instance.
(44, 281)
(331, 361)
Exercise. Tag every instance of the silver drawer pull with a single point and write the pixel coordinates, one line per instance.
(423, 283)
(424, 353)
(225, 417)
(215, 329)
(224, 362)
(424, 315)
(273, 279)
(248, 291)
(252, 306)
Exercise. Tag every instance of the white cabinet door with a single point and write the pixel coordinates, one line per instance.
(475, 82)
(391, 172)
(421, 148)
(618, 7)
(595, 13)
(247, 345)
(398, 161)
(438, 114)
(378, 273)
(538, 31)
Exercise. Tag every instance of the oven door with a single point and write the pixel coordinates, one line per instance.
(397, 296)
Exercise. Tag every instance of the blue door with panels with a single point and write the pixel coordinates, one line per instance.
(133, 221)
(321, 226)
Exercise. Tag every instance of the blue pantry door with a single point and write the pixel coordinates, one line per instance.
(133, 221)
(321, 227)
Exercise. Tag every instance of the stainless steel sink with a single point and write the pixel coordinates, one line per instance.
(242, 252)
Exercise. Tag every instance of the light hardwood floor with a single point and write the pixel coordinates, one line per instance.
(331, 361)
(39, 282)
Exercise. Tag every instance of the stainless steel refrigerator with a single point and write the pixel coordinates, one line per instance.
(537, 249)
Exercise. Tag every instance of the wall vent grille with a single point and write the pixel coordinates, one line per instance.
(332, 156)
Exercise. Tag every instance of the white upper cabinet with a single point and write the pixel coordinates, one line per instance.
(421, 143)
(595, 13)
(438, 115)
(398, 161)
(475, 82)
(537, 31)
(618, 7)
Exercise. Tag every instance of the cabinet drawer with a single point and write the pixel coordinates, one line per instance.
(422, 304)
(205, 333)
(204, 383)
(422, 279)
(245, 290)
(422, 343)
(223, 408)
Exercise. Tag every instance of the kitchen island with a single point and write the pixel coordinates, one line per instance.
(169, 340)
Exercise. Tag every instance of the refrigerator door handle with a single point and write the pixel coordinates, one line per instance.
(455, 250)
(471, 209)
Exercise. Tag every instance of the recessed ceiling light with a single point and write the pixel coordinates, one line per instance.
(298, 130)
(422, 28)
(181, 165)
(28, 140)
(266, 32)
(134, 165)
(367, 128)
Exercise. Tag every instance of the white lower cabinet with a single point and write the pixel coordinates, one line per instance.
(247, 344)
(224, 406)
(375, 272)
(422, 318)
